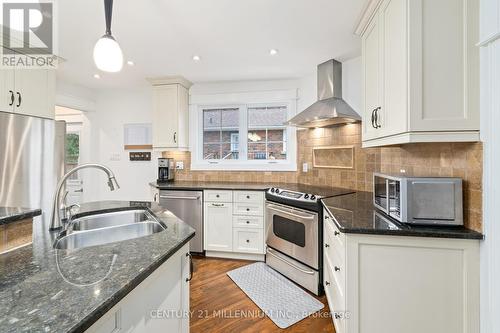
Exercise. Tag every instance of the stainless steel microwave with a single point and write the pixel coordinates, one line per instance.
(419, 200)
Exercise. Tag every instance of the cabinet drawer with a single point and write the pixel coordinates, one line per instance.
(338, 235)
(218, 196)
(335, 297)
(249, 197)
(333, 244)
(248, 222)
(248, 240)
(248, 209)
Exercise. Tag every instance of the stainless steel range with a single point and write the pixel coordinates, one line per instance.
(294, 232)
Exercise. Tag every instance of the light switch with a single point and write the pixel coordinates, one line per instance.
(179, 165)
(305, 167)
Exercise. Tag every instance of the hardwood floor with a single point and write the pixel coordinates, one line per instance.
(218, 305)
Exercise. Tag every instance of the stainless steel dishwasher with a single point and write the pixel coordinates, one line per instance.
(188, 206)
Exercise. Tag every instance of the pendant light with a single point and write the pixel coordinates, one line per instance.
(108, 55)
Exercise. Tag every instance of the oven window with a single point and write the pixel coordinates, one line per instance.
(289, 230)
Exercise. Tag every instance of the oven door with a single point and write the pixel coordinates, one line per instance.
(293, 232)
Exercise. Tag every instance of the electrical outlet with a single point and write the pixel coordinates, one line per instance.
(305, 167)
(179, 165)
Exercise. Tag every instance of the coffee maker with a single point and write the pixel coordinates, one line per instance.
(165, 170)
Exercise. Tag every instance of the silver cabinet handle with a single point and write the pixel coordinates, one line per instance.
(174, 197)
(290, 264)
(306, 217)
(175, 137)
(191, 267)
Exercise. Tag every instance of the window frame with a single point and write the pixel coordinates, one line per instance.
(242, 164)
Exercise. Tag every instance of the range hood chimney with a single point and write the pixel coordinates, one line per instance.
(330, 109)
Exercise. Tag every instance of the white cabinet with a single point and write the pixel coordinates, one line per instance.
(234, 224)
(159, 304)
(248, 240)
(218, 220)
(393, 284)
(170, 113)
(420, 71)
(28, 91)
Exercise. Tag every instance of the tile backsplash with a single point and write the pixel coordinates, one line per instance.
(462, 160)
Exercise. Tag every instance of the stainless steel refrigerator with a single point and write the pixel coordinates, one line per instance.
(31, 160)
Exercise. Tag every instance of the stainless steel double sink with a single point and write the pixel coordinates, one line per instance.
(104, 228)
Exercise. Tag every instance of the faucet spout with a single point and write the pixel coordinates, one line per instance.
(55, 221)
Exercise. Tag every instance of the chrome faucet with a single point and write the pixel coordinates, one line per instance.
(56, 222)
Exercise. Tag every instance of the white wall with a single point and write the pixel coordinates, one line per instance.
(113, 110)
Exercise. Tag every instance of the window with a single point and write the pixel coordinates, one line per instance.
(244, 137)
(266, 133)
(220, 134)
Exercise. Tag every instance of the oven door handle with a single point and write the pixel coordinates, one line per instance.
(273, 207)
(289, 263)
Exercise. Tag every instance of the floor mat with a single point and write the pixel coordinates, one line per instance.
(279, 298)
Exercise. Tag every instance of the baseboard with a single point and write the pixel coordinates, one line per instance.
(233, 255)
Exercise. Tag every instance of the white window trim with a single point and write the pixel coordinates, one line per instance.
(245, 100)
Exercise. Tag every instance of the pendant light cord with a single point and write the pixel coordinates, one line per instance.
(108, 12)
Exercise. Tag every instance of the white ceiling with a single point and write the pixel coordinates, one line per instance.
(232, 37)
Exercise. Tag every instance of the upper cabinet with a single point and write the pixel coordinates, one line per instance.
(28, 91)
(170, 113)
(420, 71)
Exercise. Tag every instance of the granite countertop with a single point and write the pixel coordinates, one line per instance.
(14, 214)
(200, 185)
(355, 213)
(48, 290)
(189, 185)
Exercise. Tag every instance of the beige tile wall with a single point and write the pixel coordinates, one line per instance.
(430, 159)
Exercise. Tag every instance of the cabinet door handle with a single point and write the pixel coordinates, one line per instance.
(191, 267)
(327, 245)
(11, 98)
(373, 118)
(175, 137)
(336, 268)
(248, 197)
(19, 99)
(155, 199)
(377, 125)
(248, 222)
(327, 283)
(218, 205)
(248, 240)
(336, 233)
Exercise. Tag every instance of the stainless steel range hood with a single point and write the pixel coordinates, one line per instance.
(330, 109)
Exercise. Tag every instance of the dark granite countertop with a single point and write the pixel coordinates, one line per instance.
(39, 295)
(14, 214)
(324, 191)
(355, 213)
(191, 185)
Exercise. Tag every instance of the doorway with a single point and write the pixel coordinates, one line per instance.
(74, 125)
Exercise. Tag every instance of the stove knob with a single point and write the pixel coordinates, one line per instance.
(313, 197)
(277, 191)
(306, 196)
(272, 190)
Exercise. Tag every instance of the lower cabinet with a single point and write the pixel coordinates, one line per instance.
(218, 218)
(159, 304)
(234, 224)
(248, 240)
(393, 284)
